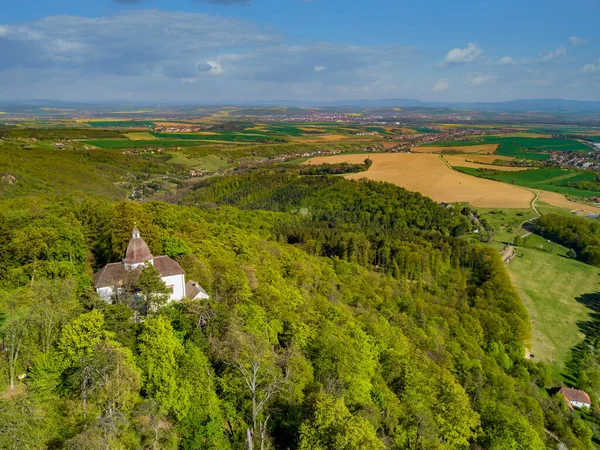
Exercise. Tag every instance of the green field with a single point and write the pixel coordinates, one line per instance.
(210, 163)
(427, 130)
(126, 143)
(549, 285)
(223, 136)
(521, 147)
(554, 180)
(120, 123)
(593, 138)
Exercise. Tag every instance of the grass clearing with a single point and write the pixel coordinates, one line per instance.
(507, 222)
(210, 163)
(549, 284)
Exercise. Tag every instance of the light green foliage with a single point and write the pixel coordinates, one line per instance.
(80, 337)
(342, 315)
(507, 429)
(159, 350)
(174, 247)
(21, 424)
(333, 427)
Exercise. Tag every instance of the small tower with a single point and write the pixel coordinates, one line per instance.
(135, 234)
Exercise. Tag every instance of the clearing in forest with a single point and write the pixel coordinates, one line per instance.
(554, 289)
(431, 176)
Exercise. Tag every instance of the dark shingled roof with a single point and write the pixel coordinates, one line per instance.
(192, 289)
(137, 252)
(114, 275)
(167, 267)
(575, 395)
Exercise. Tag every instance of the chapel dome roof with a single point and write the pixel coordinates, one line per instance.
(137, 250)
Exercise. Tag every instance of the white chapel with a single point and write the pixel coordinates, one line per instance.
(113, 276)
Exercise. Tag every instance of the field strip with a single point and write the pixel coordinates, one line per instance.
(561, 177)
(468, 161)
(486, 149)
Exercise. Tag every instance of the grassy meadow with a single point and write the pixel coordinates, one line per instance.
(548, 282)
(550, 285)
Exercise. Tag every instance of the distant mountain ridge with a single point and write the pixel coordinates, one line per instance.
(518, 105)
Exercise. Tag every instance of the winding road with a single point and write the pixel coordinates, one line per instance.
(535, 198)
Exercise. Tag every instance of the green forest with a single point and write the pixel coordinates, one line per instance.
(342, 315)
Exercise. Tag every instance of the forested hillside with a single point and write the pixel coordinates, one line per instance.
(578, 234)
(343, 315)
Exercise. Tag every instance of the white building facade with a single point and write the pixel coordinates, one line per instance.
(113, 278)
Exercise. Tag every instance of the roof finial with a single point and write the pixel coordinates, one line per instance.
(135, 233)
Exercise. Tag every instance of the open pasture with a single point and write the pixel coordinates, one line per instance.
(486, 149)
(429, 175)
(551, 287)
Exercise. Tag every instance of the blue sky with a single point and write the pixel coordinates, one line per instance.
(227, 50)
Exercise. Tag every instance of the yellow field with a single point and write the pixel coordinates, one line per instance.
(391, 144)
(486, 149)
(480, 162)
(141, 136)
(429, 175)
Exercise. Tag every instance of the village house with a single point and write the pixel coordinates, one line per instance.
(113, 277)
(575, 398)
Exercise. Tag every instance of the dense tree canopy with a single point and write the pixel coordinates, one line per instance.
(343, 315)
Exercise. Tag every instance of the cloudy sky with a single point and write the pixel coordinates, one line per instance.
(227, 50)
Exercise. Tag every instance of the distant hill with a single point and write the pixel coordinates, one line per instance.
(556, 106)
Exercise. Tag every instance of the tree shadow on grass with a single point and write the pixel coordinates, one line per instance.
(591, 329)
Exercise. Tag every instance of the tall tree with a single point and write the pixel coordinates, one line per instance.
(153, 289)
(264, 371)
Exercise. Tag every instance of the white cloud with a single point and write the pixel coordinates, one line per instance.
(320, 68)
(478, 80)
(552, 54)
(505, 61)
(440, 86)
(3, 31)
(215, 67)
(463, 55)
(574, 41)
(589, 68)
